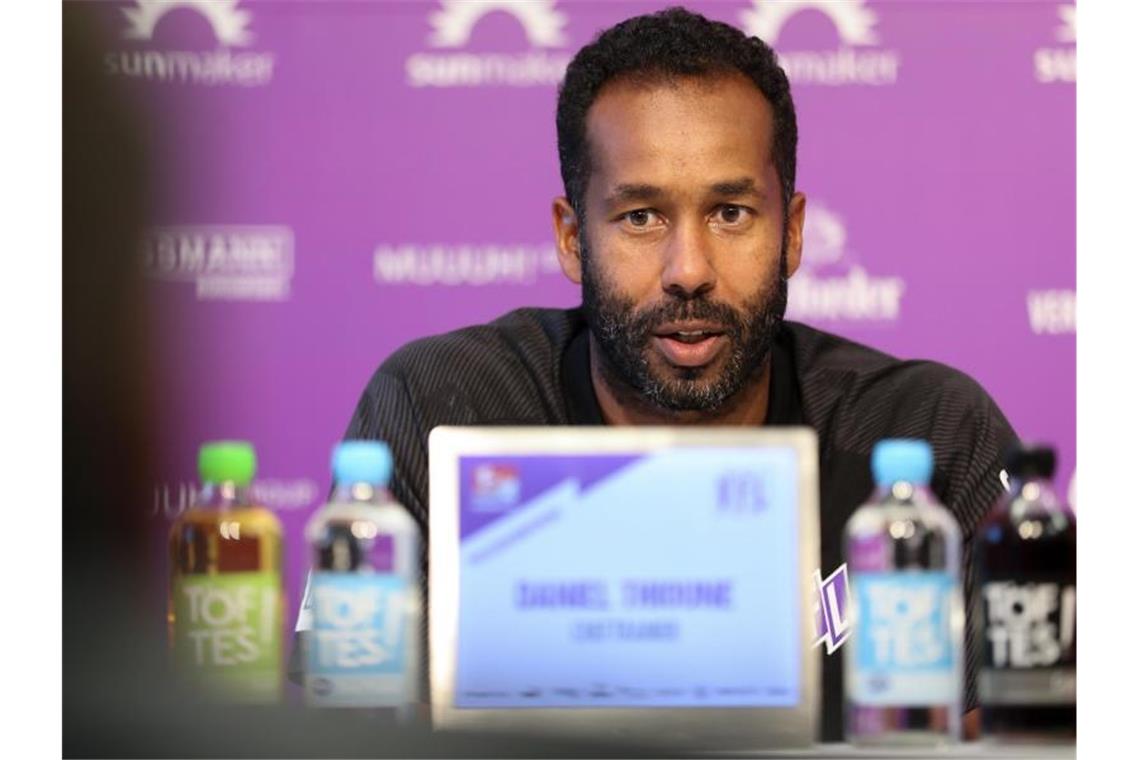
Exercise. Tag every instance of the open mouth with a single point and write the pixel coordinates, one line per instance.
(691, 346)
(695, 336)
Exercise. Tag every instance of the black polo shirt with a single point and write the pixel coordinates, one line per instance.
(531, 367)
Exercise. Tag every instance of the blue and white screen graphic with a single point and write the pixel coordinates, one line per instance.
(667, 579)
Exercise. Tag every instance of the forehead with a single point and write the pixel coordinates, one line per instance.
(679, 130)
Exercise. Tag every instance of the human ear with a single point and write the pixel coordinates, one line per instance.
(794, 233)
(566, 236)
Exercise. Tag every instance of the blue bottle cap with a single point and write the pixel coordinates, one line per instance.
(906, 459)
(362, 462)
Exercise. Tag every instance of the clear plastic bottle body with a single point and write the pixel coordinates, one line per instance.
(1024, 617)
(226, 603)
(363, 649)
(903, 663)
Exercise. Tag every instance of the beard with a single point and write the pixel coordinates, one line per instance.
(624, 334)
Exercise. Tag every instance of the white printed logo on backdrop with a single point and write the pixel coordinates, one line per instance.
(225, 262)
(464, 264)
(831, 284)
(1052, 312)
(220, 66)
(1058, 65)
(452, 23)
(858, 60)
(171, 499)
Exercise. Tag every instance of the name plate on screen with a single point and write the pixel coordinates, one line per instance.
(667, 578)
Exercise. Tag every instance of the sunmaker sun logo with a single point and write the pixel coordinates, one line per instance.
(831, 285)
(858, 60)
(230, 26)
(452, 24)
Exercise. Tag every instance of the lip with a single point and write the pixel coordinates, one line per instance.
(697, 354)
(671, 328)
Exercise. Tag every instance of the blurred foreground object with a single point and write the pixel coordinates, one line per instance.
(1026, 605)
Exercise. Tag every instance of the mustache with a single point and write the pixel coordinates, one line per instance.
(645, 322)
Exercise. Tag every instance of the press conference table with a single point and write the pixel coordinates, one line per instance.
(160, 725)
(982, 750)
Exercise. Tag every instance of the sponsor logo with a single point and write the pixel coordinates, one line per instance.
(905, 624)
(226, 262)
(463, 264)
(1029, 625)
(832, 609)
(227, 633)
(1058, 65)
(1052, 312)
(830, 285)
(172, 499)
(494, 487)
(858, 60)
(741, 493)
(451, 27)
(221, 66)
(357, 623)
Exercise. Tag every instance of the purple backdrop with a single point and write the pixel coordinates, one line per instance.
(341, 177)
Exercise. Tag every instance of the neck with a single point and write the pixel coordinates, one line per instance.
(622, 405)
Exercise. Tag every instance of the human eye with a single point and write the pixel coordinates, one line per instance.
(732, 215)
(642, 219)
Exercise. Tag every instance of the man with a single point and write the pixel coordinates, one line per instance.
(677, 141)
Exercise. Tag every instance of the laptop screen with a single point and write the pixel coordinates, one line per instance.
(630, 579)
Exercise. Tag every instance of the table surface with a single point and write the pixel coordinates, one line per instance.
(980, 750)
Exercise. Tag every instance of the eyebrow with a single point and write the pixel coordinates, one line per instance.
(736, 187)
(644, 193)
(633, 192)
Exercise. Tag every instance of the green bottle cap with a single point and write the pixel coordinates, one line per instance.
(227, 461)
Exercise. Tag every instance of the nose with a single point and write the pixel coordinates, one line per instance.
(688, 270)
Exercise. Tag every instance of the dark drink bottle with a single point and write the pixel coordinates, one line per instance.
(1025, 605)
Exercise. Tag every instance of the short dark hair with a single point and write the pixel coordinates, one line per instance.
(669, 44)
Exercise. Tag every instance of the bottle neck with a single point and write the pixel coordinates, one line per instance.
(1033, 492)
(224, 495)
(904, 492)
(359, 493)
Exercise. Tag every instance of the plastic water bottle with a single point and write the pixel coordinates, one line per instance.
(1025, 605)
(363, 649)
(902, 665)
(226, 603)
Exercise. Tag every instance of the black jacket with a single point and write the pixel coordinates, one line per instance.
(531, 367)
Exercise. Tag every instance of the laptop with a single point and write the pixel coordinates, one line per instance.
(648, 585)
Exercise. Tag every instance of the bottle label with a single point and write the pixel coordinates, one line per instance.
(905, 650)
(1030, 643)
(359, 653)
(227, 634)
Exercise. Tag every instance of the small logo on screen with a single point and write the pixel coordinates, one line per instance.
(494, 487)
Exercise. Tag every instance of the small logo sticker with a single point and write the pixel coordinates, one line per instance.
(832, 618)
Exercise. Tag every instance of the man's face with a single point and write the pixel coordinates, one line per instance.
(686, 248)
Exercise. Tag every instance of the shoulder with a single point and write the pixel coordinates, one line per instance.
(502, 371)
(855, 396)
(888, 394)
